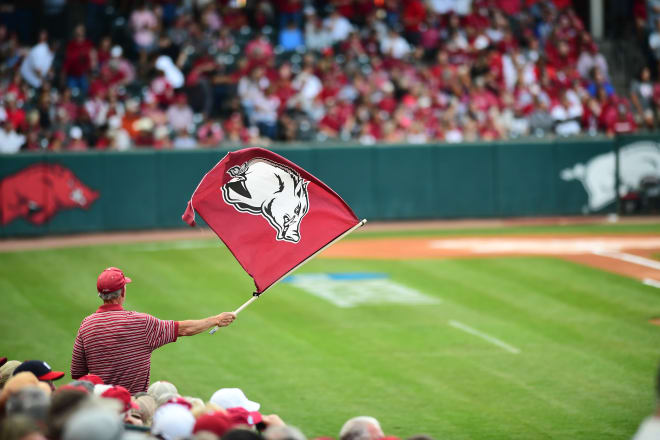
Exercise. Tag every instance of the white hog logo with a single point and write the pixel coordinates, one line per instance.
(636, 161)
(271, 190)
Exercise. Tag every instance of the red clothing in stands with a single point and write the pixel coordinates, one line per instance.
(289, 6)
(563, 4)
(77, 58)
(116, 344)
(414, 14)
(509, 7)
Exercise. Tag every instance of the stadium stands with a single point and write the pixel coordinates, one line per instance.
(180, 75)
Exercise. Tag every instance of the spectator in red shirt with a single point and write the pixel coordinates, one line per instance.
(15, 114)
(331, 124)
(482, 98)
(18, 88)
(563, 4)
(620, 120)
(414, 14)
(235, 129)
(66, 109)
(510, 7)
(103, 51)
(210, 134)
(289, 11)
(118, 70)
(77, 142)
(259, 48)
(116, 344)
(79, 59)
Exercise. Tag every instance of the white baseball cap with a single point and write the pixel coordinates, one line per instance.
(232, 398)
(171, 71)
(172, 421)
(101, 388)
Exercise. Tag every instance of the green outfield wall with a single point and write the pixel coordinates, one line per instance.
(149, 189)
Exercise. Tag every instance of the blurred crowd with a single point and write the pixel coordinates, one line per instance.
(202, 73)
(32, 407)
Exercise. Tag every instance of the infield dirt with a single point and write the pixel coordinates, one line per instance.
(599, 251)
(602, 252)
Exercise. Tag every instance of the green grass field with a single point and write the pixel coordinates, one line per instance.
(585, 369)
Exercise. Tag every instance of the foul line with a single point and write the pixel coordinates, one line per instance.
(630, 258)
(489, 338)
(651, 282)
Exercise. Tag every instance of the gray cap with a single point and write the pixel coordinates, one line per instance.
(94, 424)
(30, 401)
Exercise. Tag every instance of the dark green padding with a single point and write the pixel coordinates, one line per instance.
(149, 189)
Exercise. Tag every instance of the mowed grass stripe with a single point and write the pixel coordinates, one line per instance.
(586, 367)
(596, 355)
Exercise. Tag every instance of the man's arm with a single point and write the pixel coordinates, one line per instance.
(195, 326)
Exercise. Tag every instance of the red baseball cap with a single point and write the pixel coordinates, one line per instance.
(179, 401)
(241, 416)
(217, 422)
(93, 378)
(111, 279)
(120, 393)
(80, 388)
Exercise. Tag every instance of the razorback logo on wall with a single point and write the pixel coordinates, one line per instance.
(637, 161)
(39, 191)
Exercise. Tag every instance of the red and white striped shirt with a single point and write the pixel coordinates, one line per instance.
(116, 344)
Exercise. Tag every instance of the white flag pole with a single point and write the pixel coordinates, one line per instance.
(254, 298)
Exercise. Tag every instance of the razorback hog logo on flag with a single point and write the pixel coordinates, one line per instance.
(39, 191)
(271, 214)
(271, 190)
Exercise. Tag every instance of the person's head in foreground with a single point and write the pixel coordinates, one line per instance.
(361, 428)
(94, 423)
(65, 403)
(147, 409)
(20, 427)
(657, 384)
(16, 383)
(162, 391)
(30, 401)
(649, 429)
(125, 404)
(241, 434)
(283, 433)
(217, 422)
(6, 371)
(42, 370)
(172, 421)
(233, 398)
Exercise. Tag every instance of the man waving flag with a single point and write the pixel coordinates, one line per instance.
(272, 215)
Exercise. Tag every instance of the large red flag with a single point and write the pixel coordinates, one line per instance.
(271, 214)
